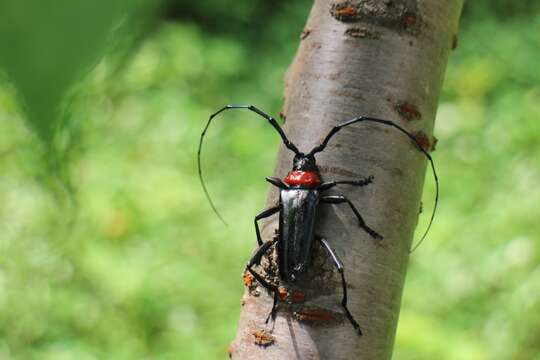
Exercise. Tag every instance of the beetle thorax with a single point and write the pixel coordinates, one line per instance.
(305, 172)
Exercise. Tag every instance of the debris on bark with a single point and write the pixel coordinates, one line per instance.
(250, 283)
(455, 42)
(248, 279)
(291, 297)
(434, 142)
(283, 116)
(305, 33)
(263, 338)
(344, 11)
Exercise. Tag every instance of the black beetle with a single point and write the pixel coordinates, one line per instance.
(301, 192)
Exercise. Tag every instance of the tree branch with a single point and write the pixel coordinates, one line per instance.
(384, 59)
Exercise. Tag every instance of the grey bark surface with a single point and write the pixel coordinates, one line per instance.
(383, 59)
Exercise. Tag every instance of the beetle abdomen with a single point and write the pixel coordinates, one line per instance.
(296, 229)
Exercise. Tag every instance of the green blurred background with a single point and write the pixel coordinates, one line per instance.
(108, 249)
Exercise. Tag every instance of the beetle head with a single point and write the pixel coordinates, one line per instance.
(303, 162)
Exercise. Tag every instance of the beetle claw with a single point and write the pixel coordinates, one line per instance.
(374, 234)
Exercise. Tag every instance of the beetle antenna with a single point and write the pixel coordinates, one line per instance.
(338, 127)
(272, 122)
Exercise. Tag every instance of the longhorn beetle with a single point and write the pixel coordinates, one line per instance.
(301, 193)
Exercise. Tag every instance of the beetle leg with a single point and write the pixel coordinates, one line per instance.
(255, 260)
(266, 213)
(339, 266)
(361, 182)
(339, 199)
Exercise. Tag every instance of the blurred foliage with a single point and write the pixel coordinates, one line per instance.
(147, 271)
(46, 48)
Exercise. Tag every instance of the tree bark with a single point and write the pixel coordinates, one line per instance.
(376, 58)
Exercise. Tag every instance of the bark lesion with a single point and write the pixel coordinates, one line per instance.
(298, 299)
(400, 15)
(363, 32)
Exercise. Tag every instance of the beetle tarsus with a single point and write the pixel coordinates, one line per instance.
(371, 232)
(361, 182)
(365, 181)
(340, 199)
(273, 312)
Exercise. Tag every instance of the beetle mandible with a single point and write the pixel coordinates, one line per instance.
(301, 193)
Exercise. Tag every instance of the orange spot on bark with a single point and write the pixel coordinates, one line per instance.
(347, 11)
(314, 315)
(298, 297)
(425, 142)
(293, 297)
(409, 19)
(248, 279)
(408, 111)
(263, 338)
(282, 293)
